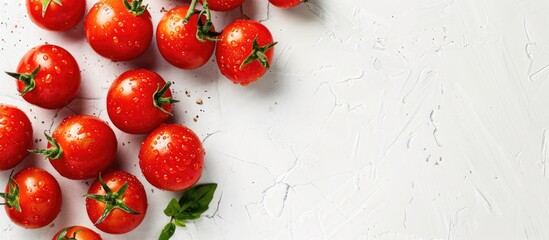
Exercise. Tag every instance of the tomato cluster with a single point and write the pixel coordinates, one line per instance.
(138, 102)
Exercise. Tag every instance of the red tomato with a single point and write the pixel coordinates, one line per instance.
(178, 43)
(48, 76)
(117, 31)
(172, 158)
(139, 101)
(37, 195)
(81, 147)
(223, 5)
(242, 43)
(121, 198)
(76, 233)
(56, 15)
(286, 3)
(15, 136)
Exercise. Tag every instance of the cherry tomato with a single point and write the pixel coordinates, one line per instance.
(116, 202)
(118, 29)
(33, 198)
(286, 3)
(81, 147)
(139, 101)
(245, 51)
(48, 76)
(76, 233)
(223, 5)
(15, 136)
(56, 15)
(178, 43)
(172, 158)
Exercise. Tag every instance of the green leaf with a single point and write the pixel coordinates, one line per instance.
(196, 200)
(180, 223)
(173, 208)
(167, 232)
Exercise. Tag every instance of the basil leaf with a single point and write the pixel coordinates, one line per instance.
(167, 232)
(173, 208)
(196, 200)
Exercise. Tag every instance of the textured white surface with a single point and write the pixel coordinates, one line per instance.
(380, 119)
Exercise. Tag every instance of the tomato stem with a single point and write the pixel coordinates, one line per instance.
(159, 99)
(54, 152)
(12, 196)
(113, 200)
(258, 53)
(204, 30)
(135, 7)
(46, 4)
(191, 11)
(27, 79)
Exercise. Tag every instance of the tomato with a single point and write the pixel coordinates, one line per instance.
(33, 198)
(286, 3)
(76, 233)
(223, 5)
(172, 158)
(242, 43)
(177, 40)
(15, 136)
(81, 147)
(139, 101)
(116, 202)
(56, 15)
(48, 76)
(119, 30)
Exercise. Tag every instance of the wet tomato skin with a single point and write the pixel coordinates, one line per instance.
(135, 197)
(57, 81)
(78, 233)
(89, 147)
(177, 41)
(223, 5)
(115, 33)
(57, 17)
(285, 3)
(15, 136)
(236, 44)
(40, 198)
(130, 101)
(172, 158)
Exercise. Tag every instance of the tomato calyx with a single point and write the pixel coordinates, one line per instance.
(46, 4)
(159, 100)
(204, 30)
(63, 235)
(12, 196)
(258, 53)
(135, 7)
(112, 200)
(27, 79)
(53, 152)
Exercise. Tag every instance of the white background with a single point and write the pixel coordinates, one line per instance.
(380, 119)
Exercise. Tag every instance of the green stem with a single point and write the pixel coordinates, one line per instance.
(46, 4)
(27, 79)
(258, 53)
(135, 7)
(12, 196)
(191, 11)
(54, 152)
(159, 99)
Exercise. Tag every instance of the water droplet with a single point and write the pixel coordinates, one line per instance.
(45, 57)
(155, 152)
(118, 110)
(165, 177)
(115, 39)
(28, 67)
(48, 78)
(57, 69)
(121, 24)
(54, 49)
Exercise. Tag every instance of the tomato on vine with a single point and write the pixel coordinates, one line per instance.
(81, 147)
(245, 51)
(116, 202)
(139, 101)
(56, 15)
(48, 76)
(118, 29)
(33, 198)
